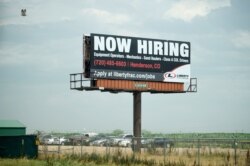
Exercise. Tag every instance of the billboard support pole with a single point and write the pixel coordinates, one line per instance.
(137, 121)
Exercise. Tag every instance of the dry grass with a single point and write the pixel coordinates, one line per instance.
(189, 156)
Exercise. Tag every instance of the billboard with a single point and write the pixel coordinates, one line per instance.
(133, 58)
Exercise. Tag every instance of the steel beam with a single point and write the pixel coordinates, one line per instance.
(137, 121)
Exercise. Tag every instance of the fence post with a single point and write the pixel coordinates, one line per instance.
(235, 152)
(106, 149)
(81, 146)
(198, 152)
(58, 149)
(164, 151)
(45, 150)
(73, 149)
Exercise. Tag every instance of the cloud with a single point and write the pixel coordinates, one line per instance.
(187, 10)
(105, 16)
(24, 54)
(242, 39)
(65, 18)
(45, 56)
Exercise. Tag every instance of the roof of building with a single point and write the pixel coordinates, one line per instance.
(11, 124)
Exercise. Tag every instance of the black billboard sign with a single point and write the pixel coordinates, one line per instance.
(132, 58)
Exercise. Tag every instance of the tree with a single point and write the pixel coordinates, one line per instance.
(117, 132)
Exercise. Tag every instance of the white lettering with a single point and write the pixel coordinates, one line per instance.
(123, 45)
(184, 50)
(150, 47)
(165, 48)
(99, 43)
(110, 44)
(142, 46)
(173, 49)
(158, 48)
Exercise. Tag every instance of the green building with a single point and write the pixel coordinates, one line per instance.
(12, 128)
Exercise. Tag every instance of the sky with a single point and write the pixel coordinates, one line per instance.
(39, 51)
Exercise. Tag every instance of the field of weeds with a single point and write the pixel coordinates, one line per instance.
(116, 156)
(87, 160)
(185, 157)
(125, 156)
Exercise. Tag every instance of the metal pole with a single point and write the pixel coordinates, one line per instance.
(59, 148)
(198, 152)
(235, 152)
(73, 149)
(137, 121)
(164, 151)
(81, 145)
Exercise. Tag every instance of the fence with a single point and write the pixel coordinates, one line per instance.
(189, 151)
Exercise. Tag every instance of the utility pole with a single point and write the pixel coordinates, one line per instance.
(137, 121)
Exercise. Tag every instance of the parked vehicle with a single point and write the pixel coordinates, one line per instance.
(78, 140)
(116, 141)
(145, 142)
(52, 141)
(125, 143)
(44, 138)
(163, 142)
(100, 142)
(63, 140)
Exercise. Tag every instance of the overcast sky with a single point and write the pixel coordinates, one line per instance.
(39, 51)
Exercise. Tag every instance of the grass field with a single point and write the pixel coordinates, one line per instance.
(102, 156)
(175, 156)
(51, 162)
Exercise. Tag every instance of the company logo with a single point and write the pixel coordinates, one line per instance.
(137, 85)
(169, 75)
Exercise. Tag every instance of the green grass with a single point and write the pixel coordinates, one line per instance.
(118, 159)
(89, 160)
(50, 162)
(21, 162)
